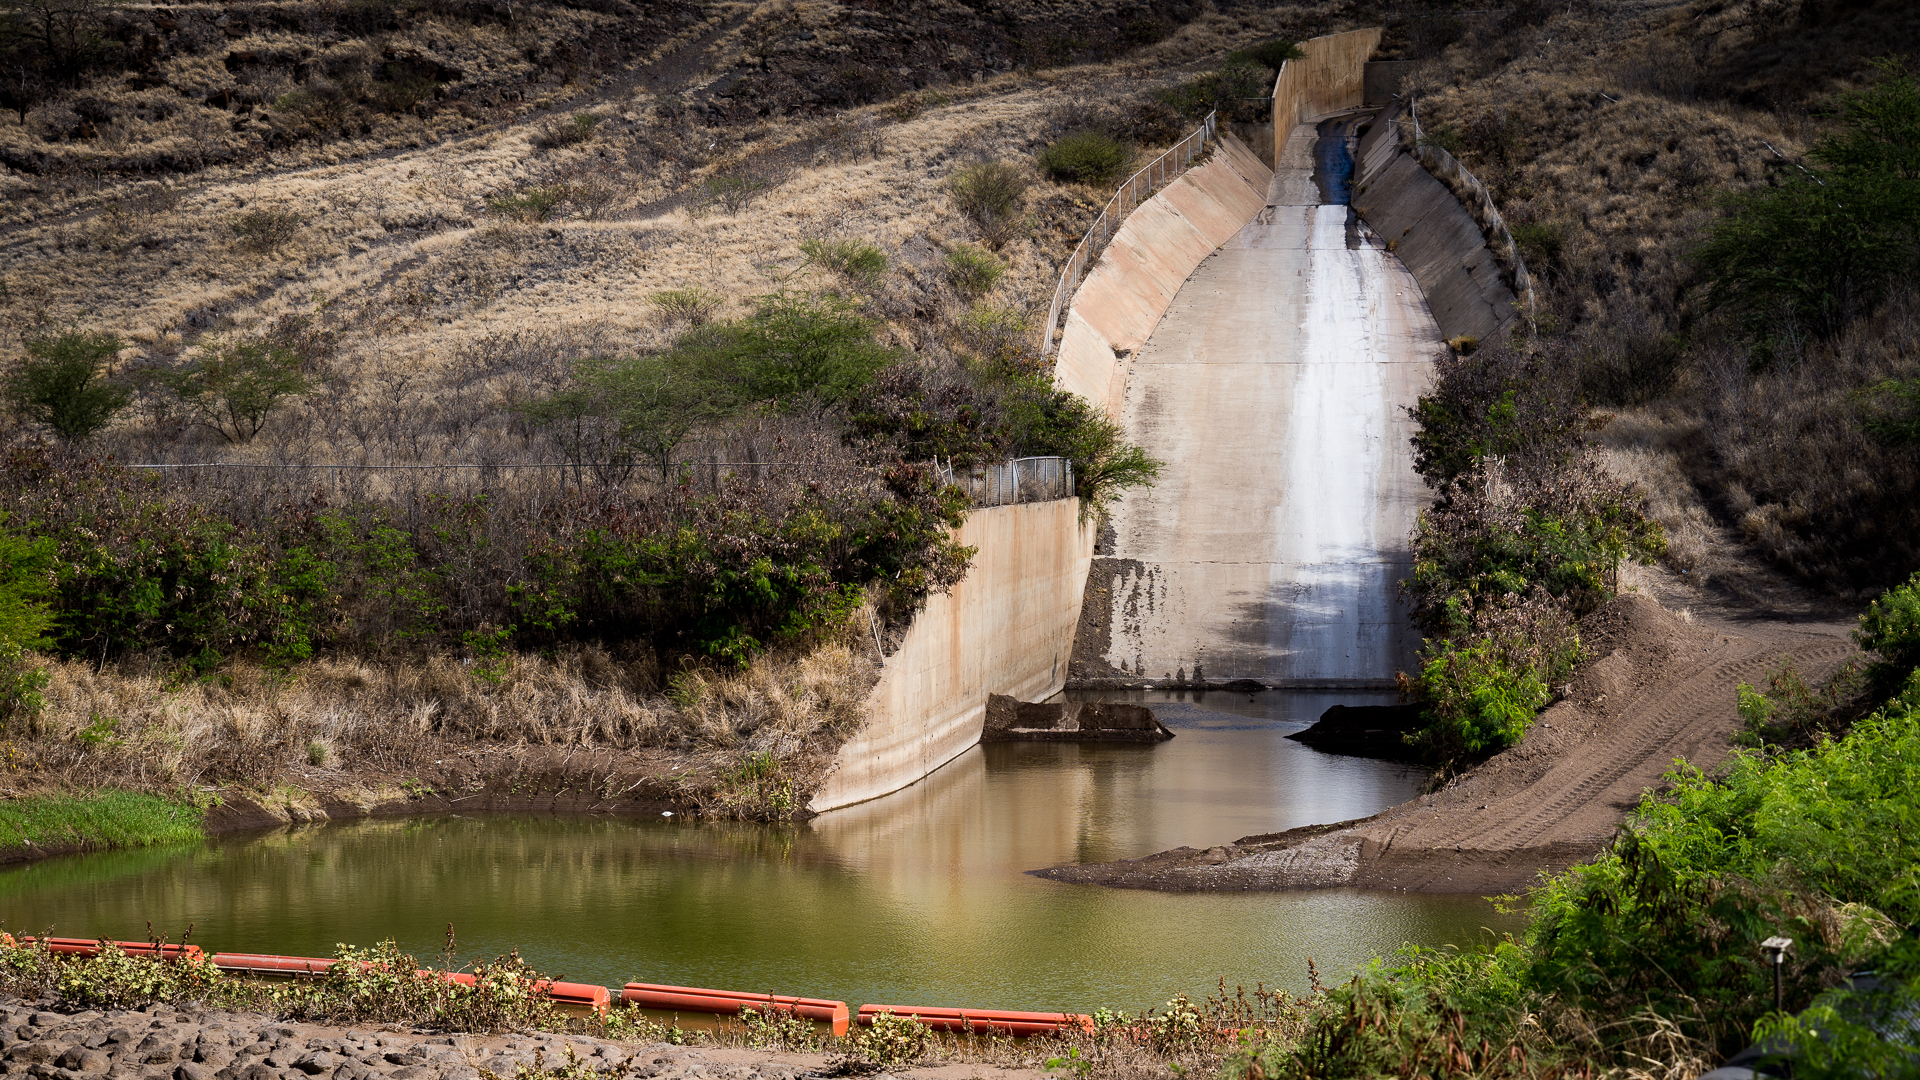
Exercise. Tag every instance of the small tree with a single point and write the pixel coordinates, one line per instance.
(63, 383)
(232, 387)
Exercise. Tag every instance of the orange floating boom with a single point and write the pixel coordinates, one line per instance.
(998, 1021)
(696, 999)
(91, 947)
(263, 964)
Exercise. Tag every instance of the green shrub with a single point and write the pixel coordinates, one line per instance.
(1823, 244)
(989, 192)
(1479, 700)
(266, 231)
(533, 204)
(732, 192)
(1890, 629)
(1540, 243)
(1233, 90)
(890, 1042)
(233, 386)
(857, 261)
(26, 581)
(693, 307)
(62, 383)
(1268, 53)
(973, 271)
(1088, 157)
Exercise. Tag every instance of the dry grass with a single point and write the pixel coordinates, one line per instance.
(1606, 131)
(339, 723)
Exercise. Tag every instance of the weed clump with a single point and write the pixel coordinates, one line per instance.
(989, 192)
(858, 262)
(1088, 157)
(973, 271)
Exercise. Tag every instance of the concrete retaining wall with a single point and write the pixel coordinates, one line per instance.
(1006, 629)
(1330, 78)
(1449, 251)
(1147, 261)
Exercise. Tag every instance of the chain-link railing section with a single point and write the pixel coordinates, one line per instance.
(1028, 479)
(1137, 189)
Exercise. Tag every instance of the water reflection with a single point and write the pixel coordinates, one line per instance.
(919, 898)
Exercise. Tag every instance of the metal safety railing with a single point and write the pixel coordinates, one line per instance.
(1028, 479)
(1137, 189)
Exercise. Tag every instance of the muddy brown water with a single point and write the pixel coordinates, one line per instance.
(917, 899)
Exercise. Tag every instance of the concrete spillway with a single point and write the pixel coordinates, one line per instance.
(1275, 391)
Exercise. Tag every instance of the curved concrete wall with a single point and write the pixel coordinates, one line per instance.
(1330, 78)
(1412, 203)
(1006, 629)
(1144, 265)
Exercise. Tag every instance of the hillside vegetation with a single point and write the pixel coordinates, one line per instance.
(694, 296)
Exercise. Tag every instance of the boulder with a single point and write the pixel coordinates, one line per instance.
(1375, 731)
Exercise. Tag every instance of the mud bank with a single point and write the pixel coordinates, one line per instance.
(1660, 687)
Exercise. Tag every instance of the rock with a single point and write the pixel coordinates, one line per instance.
(1375, 731)
(189, 1071)
(1070, 721)
(85, 1060)
(319, 1061)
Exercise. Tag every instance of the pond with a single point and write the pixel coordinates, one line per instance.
(919, 898)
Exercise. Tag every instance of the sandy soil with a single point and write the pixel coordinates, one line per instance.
(1661, 686)
(163, 1043)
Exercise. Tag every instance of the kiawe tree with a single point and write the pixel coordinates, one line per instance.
(63, 383)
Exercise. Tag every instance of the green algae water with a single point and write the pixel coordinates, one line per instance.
(919, 898)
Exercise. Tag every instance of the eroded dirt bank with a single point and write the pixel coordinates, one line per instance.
(1661, 687)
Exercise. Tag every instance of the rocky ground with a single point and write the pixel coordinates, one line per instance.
(163, 1043)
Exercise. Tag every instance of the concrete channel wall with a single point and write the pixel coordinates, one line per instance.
(1411, 201)
(1006, 629)
(1146, 262)
(1330, 78)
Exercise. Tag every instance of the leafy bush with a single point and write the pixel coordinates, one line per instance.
(62, 383)
(1510, 404)
(857, 261)
(533, 204)
(732, 192)
(1233, 90)
(566, 131)
(1268, 53)
(1890, 628)
(989, 192)
(1088, 157)
(1823, 244)
(233, 386)
(972, 270)
(1483, 690)
(890, 1042)
(266, 231)
(693, 307)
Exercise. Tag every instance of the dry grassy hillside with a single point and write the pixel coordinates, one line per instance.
(1608, 133)
(438, 258)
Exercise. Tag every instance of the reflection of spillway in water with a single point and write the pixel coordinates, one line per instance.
(917, 898)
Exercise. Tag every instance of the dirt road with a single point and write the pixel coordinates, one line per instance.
(1662, 687)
